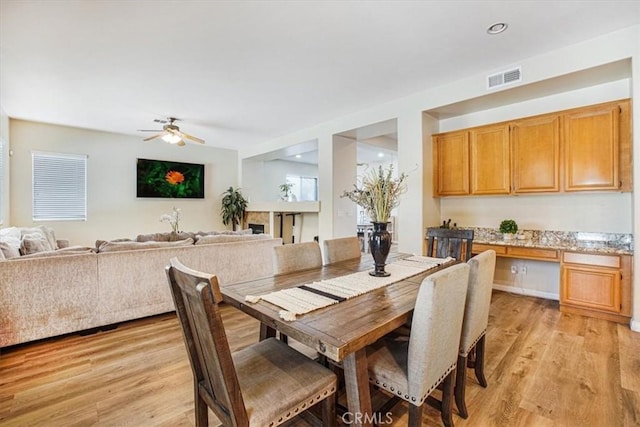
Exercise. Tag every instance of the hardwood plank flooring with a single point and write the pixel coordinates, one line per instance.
(544, 368)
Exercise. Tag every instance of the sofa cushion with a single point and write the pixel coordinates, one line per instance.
(165, 237)
(102, 242)
(33, 243)
(71, 250)
(226, 238)
(114, 246)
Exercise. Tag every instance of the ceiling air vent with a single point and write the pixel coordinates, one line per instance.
(504, 77)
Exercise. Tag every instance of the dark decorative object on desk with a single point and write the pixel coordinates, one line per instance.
(379, 193)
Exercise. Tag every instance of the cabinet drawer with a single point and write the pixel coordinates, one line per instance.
(612, 261)
(533, 253)
(480, 247)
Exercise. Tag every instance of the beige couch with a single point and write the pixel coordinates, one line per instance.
(42, 297)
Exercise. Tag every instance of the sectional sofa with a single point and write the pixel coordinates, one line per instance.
(75, 290)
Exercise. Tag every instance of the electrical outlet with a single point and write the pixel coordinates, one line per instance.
(523, 269)
(514, 269)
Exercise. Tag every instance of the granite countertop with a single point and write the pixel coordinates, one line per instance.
(598, 243)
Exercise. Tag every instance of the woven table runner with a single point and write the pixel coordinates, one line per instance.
(312, 296)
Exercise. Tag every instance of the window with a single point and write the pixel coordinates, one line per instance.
(305, 188)
(59, 186)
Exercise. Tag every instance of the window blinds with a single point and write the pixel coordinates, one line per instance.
(59, 186)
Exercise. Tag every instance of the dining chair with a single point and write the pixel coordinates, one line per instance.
(410, 368)
(341, 249)
(296, 257)
(474, 325)
(449, 242)
(264, 384)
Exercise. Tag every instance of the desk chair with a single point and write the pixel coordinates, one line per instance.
(449, 242)
(474, 325)
(410, 368)
(264, 384)
(341, 249)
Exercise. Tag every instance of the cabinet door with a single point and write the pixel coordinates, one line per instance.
(451, 164)
(593, 288)
(535, 145)
(592, 148)
(490, 166)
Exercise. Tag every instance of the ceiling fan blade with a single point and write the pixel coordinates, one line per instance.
(149, 130)
(154, 137)
(193, 138)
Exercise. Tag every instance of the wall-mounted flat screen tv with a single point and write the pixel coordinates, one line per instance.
(159, 178)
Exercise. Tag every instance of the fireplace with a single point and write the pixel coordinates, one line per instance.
(257, 228)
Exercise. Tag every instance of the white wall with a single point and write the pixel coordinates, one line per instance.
(113, 210)
(4, 136)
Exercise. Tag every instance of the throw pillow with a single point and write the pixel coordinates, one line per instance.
(9, 251)
(228, 238)
(154, 237)
(10, 236)
(45, 231)
(129, 246)
(102, 242)
(32, 243)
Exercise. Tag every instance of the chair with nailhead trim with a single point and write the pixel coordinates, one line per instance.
(262, 385)
(474, 325)
(411, 367)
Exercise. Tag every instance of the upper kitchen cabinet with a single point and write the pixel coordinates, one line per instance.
(535, 145)
(583, 149)
(592, 147)
(451, 164)
(490, 166)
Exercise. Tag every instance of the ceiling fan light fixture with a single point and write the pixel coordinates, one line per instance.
(171, 138)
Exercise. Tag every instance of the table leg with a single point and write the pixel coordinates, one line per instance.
(266, 332)
(357, 384)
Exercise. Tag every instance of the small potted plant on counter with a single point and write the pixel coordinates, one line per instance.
(508, 228)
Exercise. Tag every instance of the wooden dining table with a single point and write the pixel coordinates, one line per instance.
(340, 331)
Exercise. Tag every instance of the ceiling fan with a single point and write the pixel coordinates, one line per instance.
(171, 133)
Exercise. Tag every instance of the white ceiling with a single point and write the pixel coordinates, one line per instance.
(243, 72)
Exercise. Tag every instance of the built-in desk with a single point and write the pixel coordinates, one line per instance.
(595, 279)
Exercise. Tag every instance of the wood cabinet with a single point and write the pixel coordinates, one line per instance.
(538, 254)
(535, 148)
(490, 165)
(584, 149)
(591, 142)
(596, 285)
(451, 164)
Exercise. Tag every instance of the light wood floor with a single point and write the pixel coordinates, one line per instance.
(544, 368)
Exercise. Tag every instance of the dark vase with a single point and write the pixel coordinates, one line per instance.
(380, 244)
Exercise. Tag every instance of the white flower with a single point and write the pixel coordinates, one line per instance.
(173, 219)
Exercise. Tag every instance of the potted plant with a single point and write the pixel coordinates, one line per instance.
(508, 228)
(287, 195)
(233, 207)
(378, 192)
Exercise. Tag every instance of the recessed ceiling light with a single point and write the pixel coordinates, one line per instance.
(380, 154)
(298, 156)
(497, 28)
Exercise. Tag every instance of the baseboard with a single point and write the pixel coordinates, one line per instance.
(635, 325)
(528, 292)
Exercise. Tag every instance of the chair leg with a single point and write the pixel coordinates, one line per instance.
(447, 399)
(201, 409)
(479, 366)
(329, 411)
(460, 389)
(415, 415)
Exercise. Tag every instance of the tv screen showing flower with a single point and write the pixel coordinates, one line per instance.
(159, 178)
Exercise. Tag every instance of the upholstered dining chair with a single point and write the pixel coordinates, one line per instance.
(296, 257)
(445, 242)
(474, 325)
(412, 367)
(264, 384)
(341, 249)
